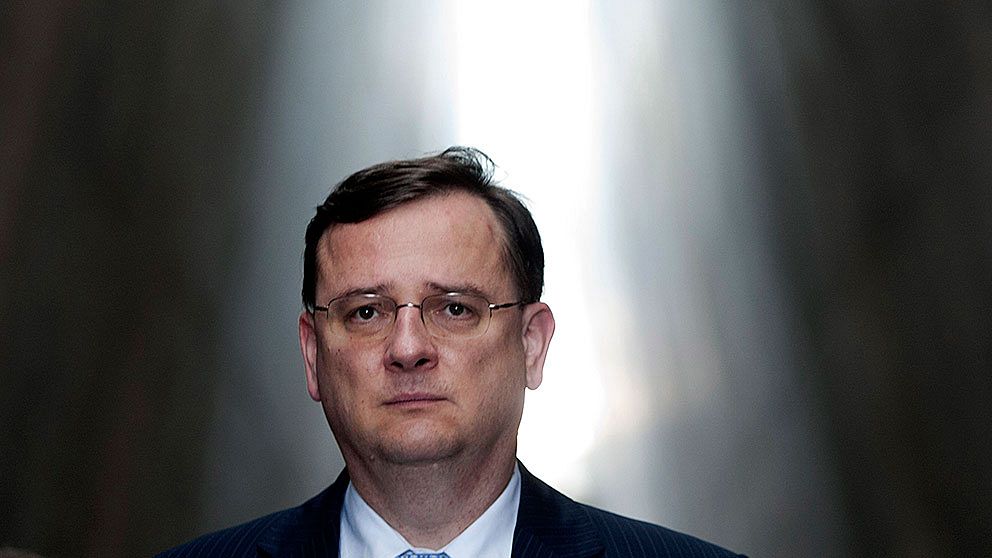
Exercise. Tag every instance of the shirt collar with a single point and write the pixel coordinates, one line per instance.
(365, 534)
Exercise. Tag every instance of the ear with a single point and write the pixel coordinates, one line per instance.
(308, 346)
(538, 327)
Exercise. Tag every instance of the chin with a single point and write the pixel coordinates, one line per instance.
(418, 447)
(408, 455)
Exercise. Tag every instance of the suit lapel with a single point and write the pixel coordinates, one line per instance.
(551, 525)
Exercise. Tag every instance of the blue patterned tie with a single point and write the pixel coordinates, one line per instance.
(412, 554)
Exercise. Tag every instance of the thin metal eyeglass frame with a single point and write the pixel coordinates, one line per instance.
(420, 307)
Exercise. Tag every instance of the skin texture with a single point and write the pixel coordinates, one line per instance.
(425, 423)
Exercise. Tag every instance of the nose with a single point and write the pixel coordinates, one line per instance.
(411, 348)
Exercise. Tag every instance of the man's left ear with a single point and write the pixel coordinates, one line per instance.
(538, 327)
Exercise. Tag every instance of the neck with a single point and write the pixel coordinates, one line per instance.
(432, 503)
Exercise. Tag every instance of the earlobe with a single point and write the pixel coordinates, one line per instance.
(538, 327)
(308, 346)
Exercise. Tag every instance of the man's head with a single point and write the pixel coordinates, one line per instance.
(398, 386)
(382, 187)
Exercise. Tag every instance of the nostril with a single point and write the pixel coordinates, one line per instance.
(401, 365)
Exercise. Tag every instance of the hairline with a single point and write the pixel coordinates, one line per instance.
(505, 257)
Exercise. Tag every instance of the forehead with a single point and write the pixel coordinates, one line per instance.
(452, 240)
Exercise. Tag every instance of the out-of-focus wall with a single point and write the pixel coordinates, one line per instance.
(125, 139)
(785, 255)
(884, 231)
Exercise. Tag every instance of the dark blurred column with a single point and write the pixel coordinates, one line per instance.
(887, 233)
(125, 136)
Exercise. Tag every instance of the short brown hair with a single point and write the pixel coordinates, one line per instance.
(382, 187)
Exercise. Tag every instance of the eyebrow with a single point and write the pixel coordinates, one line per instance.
(434, 287)
(376, 289)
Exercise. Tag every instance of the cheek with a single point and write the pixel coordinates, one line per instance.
(499, 375)
(345, 375)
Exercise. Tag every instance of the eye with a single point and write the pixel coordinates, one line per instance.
(363, 310)
(455, 309)
(364, 313)
(455, 313)
(361, 315)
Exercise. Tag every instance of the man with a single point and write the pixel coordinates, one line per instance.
(422, 327)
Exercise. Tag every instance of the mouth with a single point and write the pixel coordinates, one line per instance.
(412, 399)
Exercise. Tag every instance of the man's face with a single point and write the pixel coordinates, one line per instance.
(411, 397)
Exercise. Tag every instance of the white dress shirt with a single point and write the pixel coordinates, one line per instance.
(364, 534)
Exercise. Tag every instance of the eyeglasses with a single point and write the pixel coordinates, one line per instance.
(371, 316)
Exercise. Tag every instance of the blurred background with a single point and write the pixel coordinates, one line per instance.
(767, 227)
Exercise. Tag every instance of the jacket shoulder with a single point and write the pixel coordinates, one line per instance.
(312, 523)
(552, 524)
(237, 541)
(624, 536)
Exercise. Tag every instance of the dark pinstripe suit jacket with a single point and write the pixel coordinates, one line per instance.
(548, 525)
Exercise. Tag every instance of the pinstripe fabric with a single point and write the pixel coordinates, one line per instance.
(548, 525)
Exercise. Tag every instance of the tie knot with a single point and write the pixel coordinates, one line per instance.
(412, 554)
